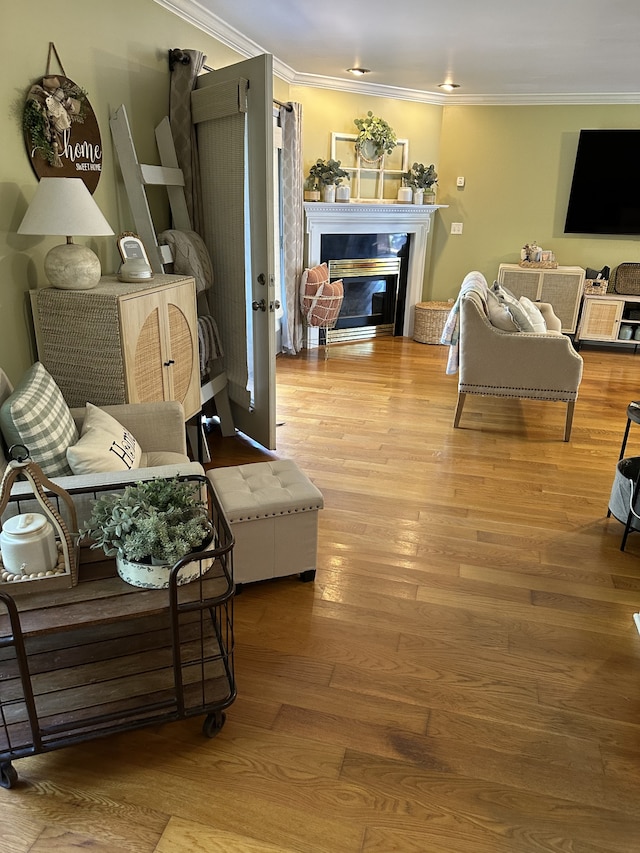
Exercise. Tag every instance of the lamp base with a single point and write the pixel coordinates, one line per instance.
(71, 266)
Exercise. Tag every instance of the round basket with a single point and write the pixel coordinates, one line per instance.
(430, 320)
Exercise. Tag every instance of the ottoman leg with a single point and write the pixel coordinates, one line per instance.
(308, 576)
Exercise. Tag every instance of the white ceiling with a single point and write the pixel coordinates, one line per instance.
(499, 51)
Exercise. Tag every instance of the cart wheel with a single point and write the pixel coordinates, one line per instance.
(308, 576)
(213, 723)
(8, 775)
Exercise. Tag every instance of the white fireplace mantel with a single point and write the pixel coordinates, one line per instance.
(375, 218)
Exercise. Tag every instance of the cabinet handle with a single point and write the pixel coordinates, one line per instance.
(168, 363)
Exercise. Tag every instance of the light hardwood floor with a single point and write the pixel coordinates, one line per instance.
(463, 676)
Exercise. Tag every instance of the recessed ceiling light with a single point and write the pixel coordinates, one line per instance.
(448, 87)
(359, 72)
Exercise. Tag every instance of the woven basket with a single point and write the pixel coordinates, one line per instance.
(597, 286)
(430, 320)
(625, 279)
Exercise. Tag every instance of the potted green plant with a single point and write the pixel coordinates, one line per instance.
(148, 527)
(328, 174)
(375, 137)
(422, 180)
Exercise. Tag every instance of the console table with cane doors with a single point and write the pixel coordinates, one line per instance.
(121, 343)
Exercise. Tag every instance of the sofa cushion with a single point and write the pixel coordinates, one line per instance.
(534, 314)
(499, 315)
(104, 445)
(518, 313)
(37, 416)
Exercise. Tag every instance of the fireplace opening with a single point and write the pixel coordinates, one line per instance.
(374, 272)
(370, 297)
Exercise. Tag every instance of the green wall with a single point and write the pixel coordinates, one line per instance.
(117, 51)
(517, 161)
(518, 164)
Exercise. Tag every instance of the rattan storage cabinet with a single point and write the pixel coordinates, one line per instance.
(122, 343)
(563, 288)
(602, 317)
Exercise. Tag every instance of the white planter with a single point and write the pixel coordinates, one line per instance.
(405, 195)
(343, 193)
(418, 196)
(157, 577)
(329, 193)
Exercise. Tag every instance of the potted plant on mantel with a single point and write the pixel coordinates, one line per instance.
(375, 137)
(148, 527)
(422, 180)
(327, 174)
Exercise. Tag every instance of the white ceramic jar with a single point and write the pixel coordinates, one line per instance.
(28, 544)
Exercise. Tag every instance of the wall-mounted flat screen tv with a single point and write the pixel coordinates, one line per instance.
(605, 191)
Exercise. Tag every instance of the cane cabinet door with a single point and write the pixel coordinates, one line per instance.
(160, 339)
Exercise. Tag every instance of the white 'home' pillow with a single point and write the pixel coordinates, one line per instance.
(104, 445)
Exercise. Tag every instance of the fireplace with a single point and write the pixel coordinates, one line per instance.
(369, 307)
(386, 222)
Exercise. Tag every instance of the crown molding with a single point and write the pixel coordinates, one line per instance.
(202, 18)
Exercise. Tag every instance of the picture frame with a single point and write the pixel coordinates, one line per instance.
(131, 247)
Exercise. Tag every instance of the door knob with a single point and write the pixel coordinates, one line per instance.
(259, 306)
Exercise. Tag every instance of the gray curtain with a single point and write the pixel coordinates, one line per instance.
(183, 81)
(293, 224)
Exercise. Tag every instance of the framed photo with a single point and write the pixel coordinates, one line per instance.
(131, 247)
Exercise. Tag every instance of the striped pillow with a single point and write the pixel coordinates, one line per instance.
(37, 416)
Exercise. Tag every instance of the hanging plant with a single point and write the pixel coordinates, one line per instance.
(375, 137)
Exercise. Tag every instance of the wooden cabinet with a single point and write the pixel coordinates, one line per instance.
(122, 343)
(562, 288)
(603, 318)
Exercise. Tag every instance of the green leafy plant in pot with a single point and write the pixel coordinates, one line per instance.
(421, 178)
(375, 137)
(148, 527)
(327, 175)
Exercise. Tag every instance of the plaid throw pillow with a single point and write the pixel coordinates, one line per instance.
(37, 416)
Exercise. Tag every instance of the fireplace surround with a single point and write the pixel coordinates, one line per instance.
(355, 218)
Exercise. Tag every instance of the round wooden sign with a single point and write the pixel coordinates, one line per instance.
(61, 131)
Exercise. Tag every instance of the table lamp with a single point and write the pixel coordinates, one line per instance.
(65, 207)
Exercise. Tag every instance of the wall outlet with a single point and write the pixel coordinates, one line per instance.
(459, 182)
(456, 227)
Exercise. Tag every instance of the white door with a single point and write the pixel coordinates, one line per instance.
(233, 112)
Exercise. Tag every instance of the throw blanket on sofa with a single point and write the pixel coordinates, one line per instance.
(451, 332)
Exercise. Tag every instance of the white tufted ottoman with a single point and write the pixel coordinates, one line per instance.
(273, 510)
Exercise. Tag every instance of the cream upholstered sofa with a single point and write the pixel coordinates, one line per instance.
(159, 429)
(541, 365)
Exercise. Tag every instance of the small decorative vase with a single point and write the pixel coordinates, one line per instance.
(312, 195)
(418, 196)
(329, 193)
(343, 193)
(405, 195)
(429, 197)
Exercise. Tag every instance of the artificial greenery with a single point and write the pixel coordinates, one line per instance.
(325, 173)
(156, 519)
(38, 124)
(420, 177)
(374, 133)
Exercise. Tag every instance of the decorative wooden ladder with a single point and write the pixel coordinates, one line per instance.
(137, 177)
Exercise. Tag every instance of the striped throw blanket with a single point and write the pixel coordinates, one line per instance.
(451, 332)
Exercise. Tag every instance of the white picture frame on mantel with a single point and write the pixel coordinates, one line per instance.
(371, 181)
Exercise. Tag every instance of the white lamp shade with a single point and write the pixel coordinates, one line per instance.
(64, 206)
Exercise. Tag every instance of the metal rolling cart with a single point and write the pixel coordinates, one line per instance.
(104, 656)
